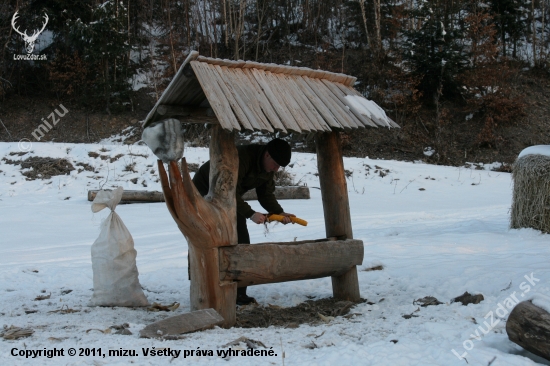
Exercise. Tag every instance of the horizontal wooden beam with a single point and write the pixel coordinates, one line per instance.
(188, 114)
(270, 263)
(281, 193)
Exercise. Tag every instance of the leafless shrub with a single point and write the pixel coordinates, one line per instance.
(284, 178)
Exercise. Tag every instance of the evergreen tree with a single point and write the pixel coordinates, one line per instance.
(509, 17)
(434, 51)
(102, 43)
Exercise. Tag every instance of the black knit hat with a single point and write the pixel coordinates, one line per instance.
(279, 150)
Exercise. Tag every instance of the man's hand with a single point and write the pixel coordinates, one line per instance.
(287, 216)
(258, 218)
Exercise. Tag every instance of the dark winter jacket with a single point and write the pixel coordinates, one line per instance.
(251, 175)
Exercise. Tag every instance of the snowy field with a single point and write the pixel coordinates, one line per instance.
(437, 231)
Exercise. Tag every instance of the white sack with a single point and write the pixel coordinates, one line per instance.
(114, 258)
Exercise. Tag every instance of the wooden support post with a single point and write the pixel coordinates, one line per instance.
(207, 291)
(207, 223)
(334, 193)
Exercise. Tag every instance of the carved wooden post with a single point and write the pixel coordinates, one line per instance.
(334, 193)
(207, 223)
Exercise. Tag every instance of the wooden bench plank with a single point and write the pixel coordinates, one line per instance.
(184, 323)
(270, 263)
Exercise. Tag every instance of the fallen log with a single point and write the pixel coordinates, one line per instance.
(281, 193)
(529, 326)
(180, 324)
(257, 264)
(134, 196)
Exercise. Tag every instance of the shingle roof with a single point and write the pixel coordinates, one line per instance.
(245, 95)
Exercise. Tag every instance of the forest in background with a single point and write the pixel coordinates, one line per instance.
(435, 66)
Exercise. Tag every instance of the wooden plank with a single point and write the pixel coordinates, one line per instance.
(341, 116)
(233, 95)
(318, 103)
(257, 264)
(244, 116)
(304, 101)
(181, 324)
(276, 101)
(277, 81)
(341, 96)
(260, 104)
(217, 100)
(322, 87)
(336, 77)
(334, 194)
(220, 62)
(343, 107)
(240, 83)
(301, 105)
(529, 326)
(264, 103)
(305, 104)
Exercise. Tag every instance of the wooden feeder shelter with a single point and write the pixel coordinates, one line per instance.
(237, 96)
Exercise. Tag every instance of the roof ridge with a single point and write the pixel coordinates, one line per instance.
(282, 69)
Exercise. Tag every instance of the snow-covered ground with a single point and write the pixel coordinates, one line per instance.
(438, 231)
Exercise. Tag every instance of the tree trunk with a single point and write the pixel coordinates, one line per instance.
(378, 38)
(207, 223)
(364, 14)
(334, 193)
(529, 326)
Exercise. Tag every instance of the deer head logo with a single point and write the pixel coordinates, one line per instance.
(29, 40)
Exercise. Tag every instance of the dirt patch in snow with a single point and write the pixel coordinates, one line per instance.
(308, 312)
(42, 167)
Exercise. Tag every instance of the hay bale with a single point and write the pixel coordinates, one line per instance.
(531, 199)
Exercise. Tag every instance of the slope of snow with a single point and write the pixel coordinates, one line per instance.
(535, 150)
(438, 231)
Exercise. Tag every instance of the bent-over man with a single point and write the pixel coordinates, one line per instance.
(257, 167)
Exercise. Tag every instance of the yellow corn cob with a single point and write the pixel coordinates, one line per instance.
(280, 219)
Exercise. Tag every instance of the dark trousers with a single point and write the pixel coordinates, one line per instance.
(243, 238)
